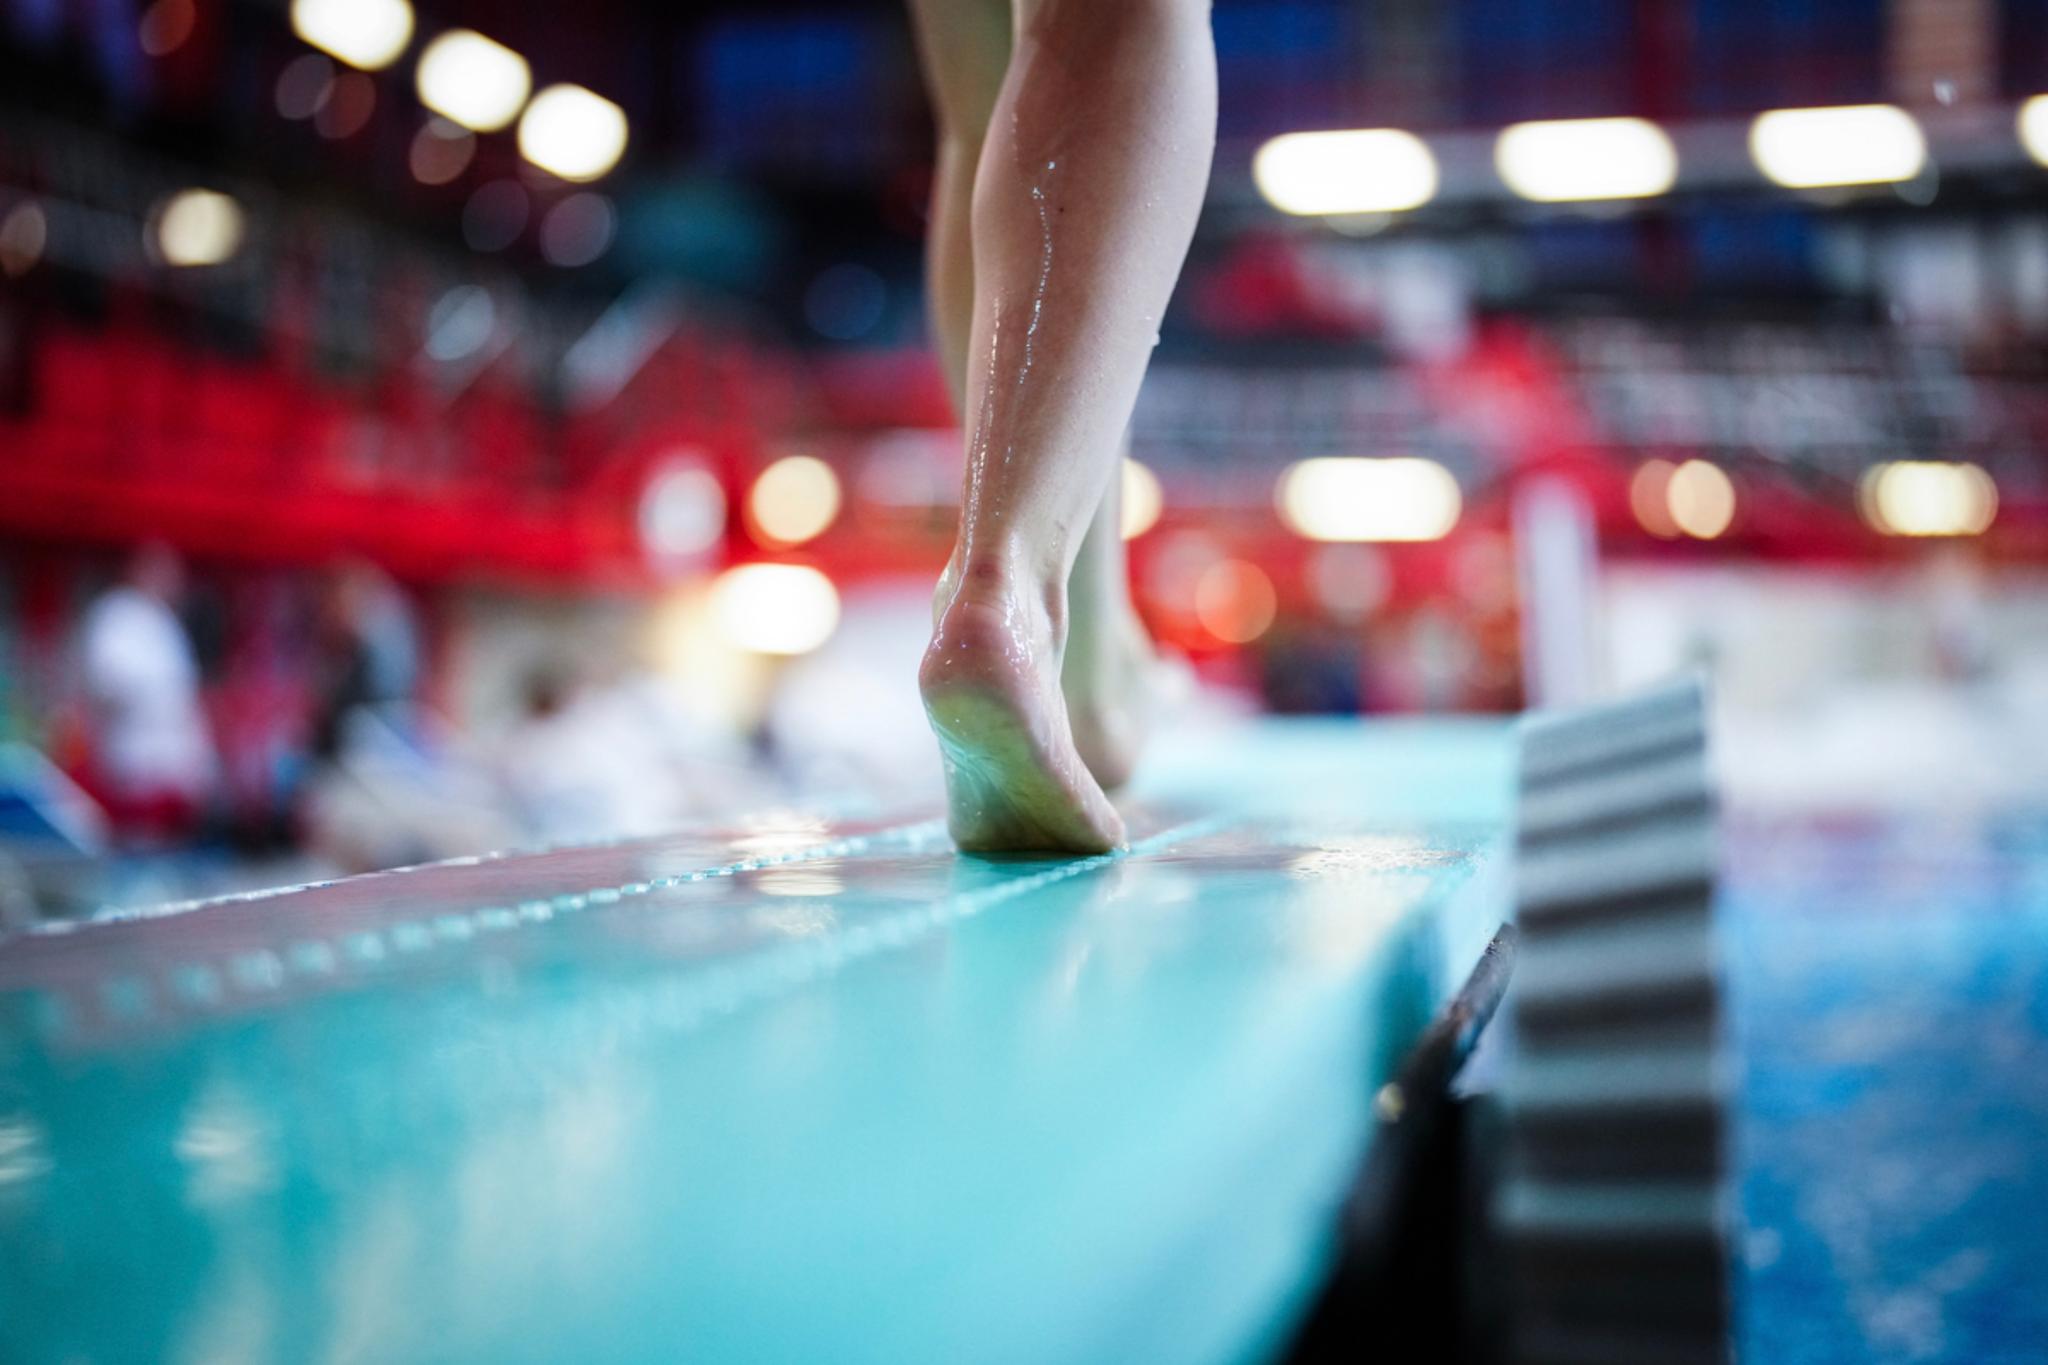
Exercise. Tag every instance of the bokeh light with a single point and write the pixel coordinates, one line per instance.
(2033, 128)
(578, 230)
(440, 152)
(1365, 170)
(303, 85)
(775, 608)
(1928, 498)
(1169, 576)
(1649, 497)
(495, 215)
(198, 227)
(345, 105)
(166, 25)
(1345, 498)
(364, 33)
(1350, 581)
(1854, 144)
(846, 301)
(473, 80)
(1701, 499)
(1235, 601)
(793, 501)
(24, 234)
(682, 511)
(1567, 160)
(461, 323)
(574, 133)
(1142, 499)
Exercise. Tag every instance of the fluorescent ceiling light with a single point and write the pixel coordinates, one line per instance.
(1367, 170)
(1855, 144)
(1574, 160)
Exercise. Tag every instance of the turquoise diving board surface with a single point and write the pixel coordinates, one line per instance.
(795, 1091)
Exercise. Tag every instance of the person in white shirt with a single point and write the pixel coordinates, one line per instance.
(153, 761)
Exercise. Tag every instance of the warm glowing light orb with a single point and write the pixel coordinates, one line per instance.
(471, 80)
(2033, 127)
(1701, 499)
(364, 33)
(198, 227)
(1649, 497)
(775, 608)
(571, 132)
(793, 500)
(1928, 498)
(1143, 500)
(24, 233)
(1235, 601)
(1345, 498)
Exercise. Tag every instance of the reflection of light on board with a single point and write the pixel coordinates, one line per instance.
(22, 1157)
(772, 832)
(534, 1200)
(226, 1146)
(234, 1320)
(1357, 886)
(798, 881)
(806, 918)
(373, 1263)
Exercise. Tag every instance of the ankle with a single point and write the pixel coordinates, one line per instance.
(1006, 580)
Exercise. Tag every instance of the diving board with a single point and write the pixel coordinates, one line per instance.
(794, 1090)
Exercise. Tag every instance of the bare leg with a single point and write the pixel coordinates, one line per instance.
(1086, 196)
(1109, 676)
(964, 49)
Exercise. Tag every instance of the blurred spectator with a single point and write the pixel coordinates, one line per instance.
(151, 760)
(391, 783)
(617, 758)
(1310, 670)
(372, 652)
(549, 791)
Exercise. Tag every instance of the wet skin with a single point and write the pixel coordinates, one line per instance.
(1015, 781)
(1089, 169)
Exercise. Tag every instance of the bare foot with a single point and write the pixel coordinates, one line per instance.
(1109, 702)
(1014, 781)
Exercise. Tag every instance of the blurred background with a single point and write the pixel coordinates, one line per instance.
(433, 427)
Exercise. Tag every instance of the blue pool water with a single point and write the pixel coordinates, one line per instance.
(1889, 979)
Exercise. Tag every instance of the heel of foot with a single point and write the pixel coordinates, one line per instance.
(1006, 792)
